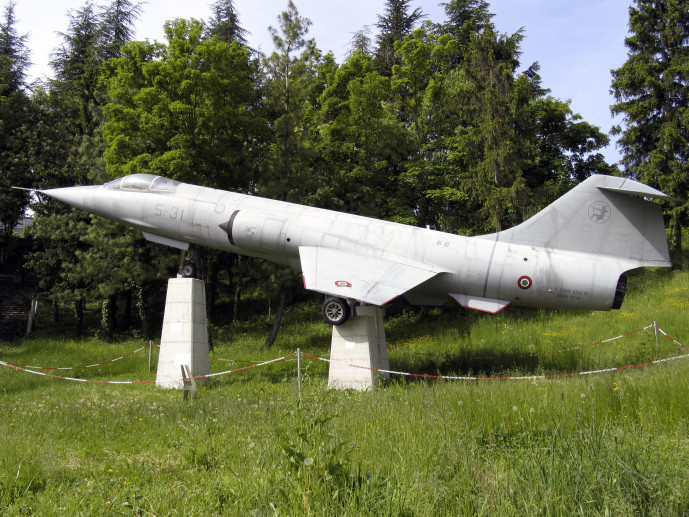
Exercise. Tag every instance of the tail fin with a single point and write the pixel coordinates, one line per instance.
(603, 215)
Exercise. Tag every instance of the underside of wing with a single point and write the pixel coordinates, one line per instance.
(367, 279)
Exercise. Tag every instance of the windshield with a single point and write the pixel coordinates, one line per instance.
(143, 183)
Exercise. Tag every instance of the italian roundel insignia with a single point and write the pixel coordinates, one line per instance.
(524, 282)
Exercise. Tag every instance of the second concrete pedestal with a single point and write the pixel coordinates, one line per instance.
(361, 342)
(184, 340)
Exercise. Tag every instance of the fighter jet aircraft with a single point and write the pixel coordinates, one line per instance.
(573, 254)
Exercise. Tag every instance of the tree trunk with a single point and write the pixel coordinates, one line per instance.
(142, 306)
(278, 318)
(108, 313)
(127, 310)
(79, 304)
(676, 241)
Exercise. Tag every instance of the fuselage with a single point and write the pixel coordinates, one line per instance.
(483, 272)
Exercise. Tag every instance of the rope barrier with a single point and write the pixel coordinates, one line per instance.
(240, 369)
(609, 340)
(445, 356)
(523, 378)
(78, 367)
(3, 363)
(95, 381)
(671, 339)
(528, 377)
(31, 369)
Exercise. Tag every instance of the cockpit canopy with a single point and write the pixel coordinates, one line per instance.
(144, 183)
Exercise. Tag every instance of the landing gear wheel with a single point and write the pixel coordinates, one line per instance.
(335, 311)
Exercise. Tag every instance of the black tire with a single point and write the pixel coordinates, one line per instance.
(335, 311)
(189, 270)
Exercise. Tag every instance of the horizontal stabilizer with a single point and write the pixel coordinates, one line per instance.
(480, 304)
(367, 279)
(167, 241)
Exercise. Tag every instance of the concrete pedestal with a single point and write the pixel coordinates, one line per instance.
(360, 341)
(184, 340)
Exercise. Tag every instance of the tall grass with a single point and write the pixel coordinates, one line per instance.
(612, 444)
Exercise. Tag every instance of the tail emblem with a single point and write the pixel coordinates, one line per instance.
(600, 212)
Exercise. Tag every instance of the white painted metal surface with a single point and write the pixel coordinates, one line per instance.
(570, 255)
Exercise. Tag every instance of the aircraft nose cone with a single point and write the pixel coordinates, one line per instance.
(79, 197)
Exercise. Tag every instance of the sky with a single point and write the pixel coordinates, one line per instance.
(576, 42)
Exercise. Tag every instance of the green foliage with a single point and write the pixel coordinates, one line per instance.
(362, 145)
(185, 110)
(15, 123)
(393, 26)
(225, 23)
(651, 89)
(291, 85)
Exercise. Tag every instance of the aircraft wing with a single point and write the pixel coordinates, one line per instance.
(367, 279)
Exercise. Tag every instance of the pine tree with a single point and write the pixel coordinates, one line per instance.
(289, 92)
(14, 54)
(15, 121)
(68, 127)
(652, 93)
(224, 23)
(360, 42)
(466, 18)
(117, 26)
(394, 25)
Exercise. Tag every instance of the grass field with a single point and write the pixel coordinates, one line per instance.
(608, 444)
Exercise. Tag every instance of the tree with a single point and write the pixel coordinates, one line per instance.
(117, 26)
(491, 147)
(67, 149)
(224, 23)
(652, 93)
(466, 19)
(362, 147)
(76, 63)
(360, 42)
(14, 54)
(292, 76)
(186, 110)
(394, 25)
(15, 122)
(290, 97)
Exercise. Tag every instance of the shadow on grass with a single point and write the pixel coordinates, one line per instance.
(482, 363)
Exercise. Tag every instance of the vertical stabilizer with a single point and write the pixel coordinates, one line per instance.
(603, 215)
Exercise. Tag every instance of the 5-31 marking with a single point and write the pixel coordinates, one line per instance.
(172, 212)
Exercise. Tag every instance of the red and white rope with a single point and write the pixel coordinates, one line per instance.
(31, 369)
(77, 367)
(239, 369)
(526, 377)
(42, 374)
